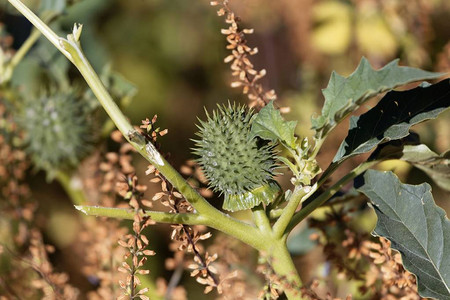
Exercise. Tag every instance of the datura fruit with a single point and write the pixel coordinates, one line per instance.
(236, 163)
(58, 130)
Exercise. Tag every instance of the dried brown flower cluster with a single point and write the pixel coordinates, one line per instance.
(13, 162)
(274, 284)
(136, 243)
(115, 169)
(242, 68)
(185, 238)
(386, 266)
(235, 258)
(273, 287)
(98, 247)
(150, 131)
(21, 240)
(32, 276)
(54, 286)
(357, 256)
(101, 256)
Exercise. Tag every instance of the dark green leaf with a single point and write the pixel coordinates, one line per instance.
(344, 95)
(393, 116)
(270, 125)
(417, 228)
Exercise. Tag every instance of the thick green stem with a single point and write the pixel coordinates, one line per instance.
(300, 192)
(317, 146)
(307, 210)
(282, 264)
(244, 232)
(261, 220)
(128, 214)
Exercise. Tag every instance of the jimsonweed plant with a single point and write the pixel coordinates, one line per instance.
(242, 150)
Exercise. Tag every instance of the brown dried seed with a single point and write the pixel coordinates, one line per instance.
(147, 203)
(158, 196)
(117, 136)
(149, 252)
(228, 58)
(155, 180)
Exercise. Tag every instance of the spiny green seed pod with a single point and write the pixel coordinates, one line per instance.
(58, 130)
(235, 163)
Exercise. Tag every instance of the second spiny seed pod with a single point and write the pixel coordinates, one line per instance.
(58, 130)
(236, 163)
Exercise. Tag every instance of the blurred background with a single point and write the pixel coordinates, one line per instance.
(172, 53)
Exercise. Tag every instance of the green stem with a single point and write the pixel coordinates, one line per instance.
(328, 172)
(99, 90)
(275, 213)
(73, 187)
(248, 234)
(300, 192)
(318, 144)
(282, 264)
(128, 214)
(308, 209)
(260, 219)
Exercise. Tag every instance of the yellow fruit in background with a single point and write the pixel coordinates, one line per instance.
(332, 35)
(399, 167)
(335, 30)
(374, 36)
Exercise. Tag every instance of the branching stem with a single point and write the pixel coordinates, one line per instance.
(300, 192)
(308, 209)
(261, 220)
(128, 214)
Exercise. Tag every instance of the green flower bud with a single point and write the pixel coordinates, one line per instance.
(236, 164)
